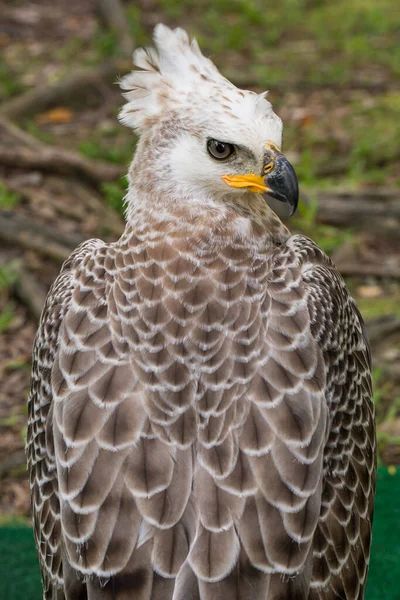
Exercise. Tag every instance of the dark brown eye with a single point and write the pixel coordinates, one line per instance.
(220, 150)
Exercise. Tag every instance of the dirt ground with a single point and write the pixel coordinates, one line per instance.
(340, 134)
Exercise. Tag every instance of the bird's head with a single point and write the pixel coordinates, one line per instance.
(202, 138)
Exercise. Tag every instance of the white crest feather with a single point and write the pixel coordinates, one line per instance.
(167, 73)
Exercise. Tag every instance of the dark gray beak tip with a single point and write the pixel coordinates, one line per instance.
(282, 184)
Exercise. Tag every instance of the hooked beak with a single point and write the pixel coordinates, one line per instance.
(278, 179)
(281, 180)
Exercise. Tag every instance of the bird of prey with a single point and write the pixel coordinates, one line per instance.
(201, 423)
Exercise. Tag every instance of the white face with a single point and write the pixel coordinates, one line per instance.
(196, 167)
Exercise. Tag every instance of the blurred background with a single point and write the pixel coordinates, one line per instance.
(333, 71)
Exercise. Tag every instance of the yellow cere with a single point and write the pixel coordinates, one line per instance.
(272, 146)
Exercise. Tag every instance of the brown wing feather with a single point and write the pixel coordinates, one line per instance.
(40, 443)
(342, 541)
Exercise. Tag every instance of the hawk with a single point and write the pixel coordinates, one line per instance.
(201, 423)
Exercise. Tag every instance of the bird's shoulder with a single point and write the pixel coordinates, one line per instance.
(333, 311)
(59, 295)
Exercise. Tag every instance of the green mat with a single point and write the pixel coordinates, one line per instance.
(20, 579)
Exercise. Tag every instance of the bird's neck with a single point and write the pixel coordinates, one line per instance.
(249, 220)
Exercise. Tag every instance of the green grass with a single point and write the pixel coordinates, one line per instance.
(7, 316)
(378, 307)
(375, 132)
(9, 82)
(382, 390)
(113, 194)
(135, 21)
(365, 139)
(322, 42)
(44, 136)
(105, 43)
(16, 365)
(71, 49)
(8, 198)
(110, 142)
(101, 149)
(10, 421)
(8, 276)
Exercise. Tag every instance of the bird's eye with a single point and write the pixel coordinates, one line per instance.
(220, 150)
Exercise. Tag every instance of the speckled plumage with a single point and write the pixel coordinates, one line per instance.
(200, 417)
